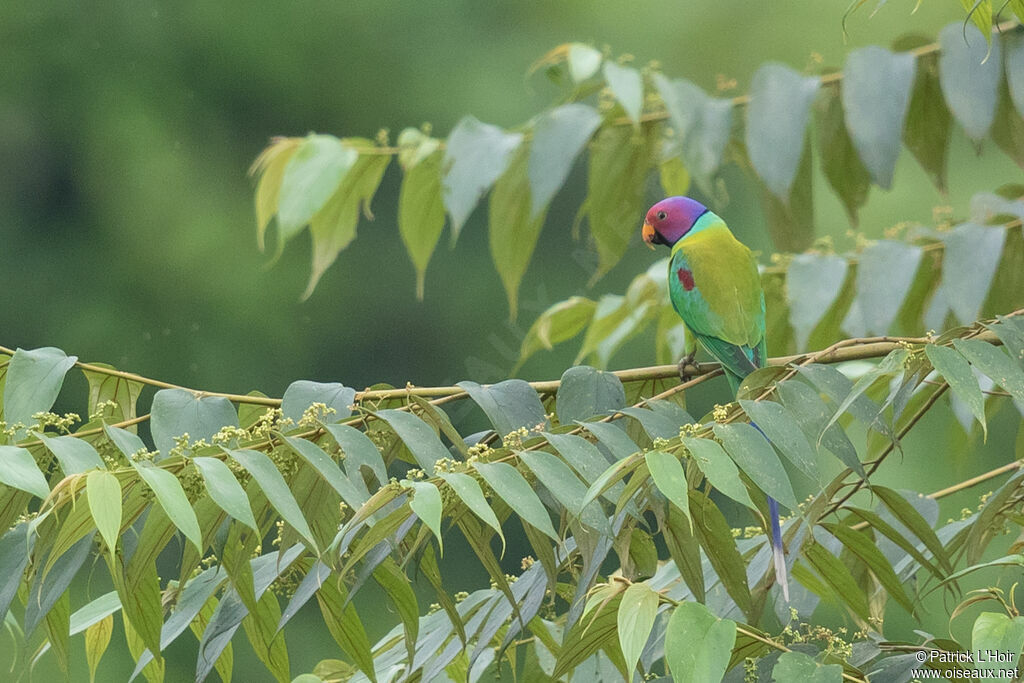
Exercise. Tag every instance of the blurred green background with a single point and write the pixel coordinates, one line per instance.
(126, 215)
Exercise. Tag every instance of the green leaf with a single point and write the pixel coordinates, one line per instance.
(512, 488)
(928, 127)
(270, 166)
(905, 513)
(720, 471)
(300, 395)
(97, 637)
(103, 492)
(715, 536)
(103, 388)
(476, 155)
(797, 667)
(172, 499)
(838, 578)
(566, 487)
(396, 585)
(509, 405)
(269, 646)
(876, 95)
(862, 546)
(703, 123)
(426, 503)
(698, 644)
(584, 61)
(345, 625)
(176, 412)
(635, 619)
(311, 176)
(894, 535)
(613, 437)
(470, 493)
(422, 441)
(588, 637)
(225, 490)
(791, 221)
(558, 323)
(1008, 128)
(585, 392)
(620, 159)
(969, 73)
(334, 226)
(995, 363)
(328, 469)
(969, 262)
(813, 283)
(657, 425)
(74, 455)
(840, 163)
(513, 227)
(18, 469)
(954, 368)
(265, 473)
(997, 634)
(755, 456)
(421, 213)
(128, 443)
(783, 430)
(777, 115)
(885, 272)
(558, 137)
(628, 87)
(673, 176)
(34, 379)
(669, 477)
(813, 415)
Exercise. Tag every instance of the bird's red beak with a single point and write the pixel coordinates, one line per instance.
(648, 234)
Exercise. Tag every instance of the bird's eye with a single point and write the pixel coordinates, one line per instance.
(661, 215)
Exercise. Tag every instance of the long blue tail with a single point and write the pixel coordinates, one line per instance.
(778, 553)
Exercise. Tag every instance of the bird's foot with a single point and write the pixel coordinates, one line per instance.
(688, 369)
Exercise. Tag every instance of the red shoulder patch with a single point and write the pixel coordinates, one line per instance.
(685, 278)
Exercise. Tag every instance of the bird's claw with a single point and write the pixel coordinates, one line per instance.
(687, 367)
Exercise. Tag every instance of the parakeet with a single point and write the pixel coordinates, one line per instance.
(715, 288)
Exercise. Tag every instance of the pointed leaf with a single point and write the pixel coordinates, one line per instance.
(97, 637)
(18, 469)
(783, 430)
(103, 492)
(509, 405)
(813, 282)
(558, 137)
(969, 262)
(698, 644)
(777, 115)
(627, 86)
(265, 473)
(584, 61)
(517, 493)
(270, 166)
(328, 469)
(225, 490)
(172, 499)
(105, 388)
(34, 379)
(755, 456)
(311, 176)
(797, 667)
(421, 213)
(865, 549)
(585, 392)
(359, 452)
(703, 123)
(557, 324)
(302, 394)
(566, 487)
(840, 162)
(956, 371)
(74, 455)
(470, 493)
(885, 272)
(474, 158)
(715, 535)
(929, 123)
(997, 633)
(422, 441)
(969, 74)
(669, 477)
(176, 412)
(635, 619)
(876, 95)
(426, 503)
(720, 471)
(995, 363)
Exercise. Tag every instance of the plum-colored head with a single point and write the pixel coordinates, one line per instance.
(668, 220)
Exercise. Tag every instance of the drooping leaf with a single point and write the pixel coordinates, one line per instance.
(558, 137)
(929, 123)
(635, 619)
(876, 95)
(584, 61)
(628, 87)
(885, 272)
(18, 469)
(588, 637)
(267, 644)
(620, 158)
(715, 536)
(328, 470)
(798, 667)
(509, 405)
(176, 412)
(270, 166)
(474, 158)
(225, 490)
(103, 492)
(995, 363)
(954, 368)
(311, 176)
(756, 458)
(97, 637)
(566, 487)
(395, 583)
(907, 515)
(969, 74)
(34, 379)
(777, 115)
(657, 425)
(782, 429)
(791, 220)
(812, 414)
(813, 282)
(426, 503)
(359, 452)
(16, 545)
(864, 548)
(107, 388)
(841, 164)
(720, 471)
(468, 490)
(613, 438)
(48, 587)
(585, 458)
(421, 212)
(422, 441)
(172, 499)
(838, 578)
(333, 227)
(702, 122)
(74, 455)
(585, 392)
(1008, 128)
(558, 323)
(266, 474)
(698, 644)
(302, 394)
